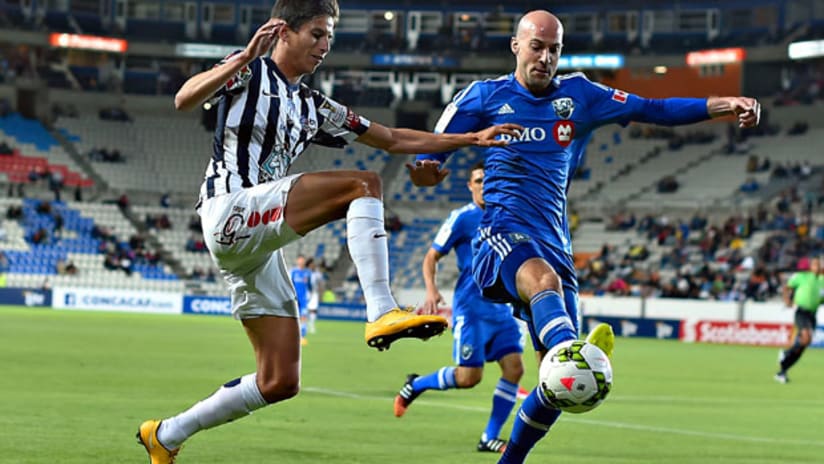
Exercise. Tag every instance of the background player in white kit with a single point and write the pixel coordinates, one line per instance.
(318, 280)
(250, 208)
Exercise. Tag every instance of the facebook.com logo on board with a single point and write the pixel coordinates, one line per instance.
(70, 299)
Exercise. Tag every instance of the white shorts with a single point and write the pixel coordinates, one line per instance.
(245, 232)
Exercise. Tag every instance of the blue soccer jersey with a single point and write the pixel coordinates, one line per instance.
(302, 280)
(526, 182)
(457, 233)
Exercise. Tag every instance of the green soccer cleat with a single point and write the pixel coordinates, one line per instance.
(603, 337)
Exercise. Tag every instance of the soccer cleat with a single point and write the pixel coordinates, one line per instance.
(494, 445)
(147, 436)
(402, 323)
(406, 396)
(603, 337)
(304, 341)
(781, 377)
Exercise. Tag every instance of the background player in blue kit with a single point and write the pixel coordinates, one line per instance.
(302, 280)
(483, 331)
(523, 254)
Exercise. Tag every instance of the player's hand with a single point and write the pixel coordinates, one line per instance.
(264, 38)
(431, 303)
(748, 111)
(486, 137)
(426, 173)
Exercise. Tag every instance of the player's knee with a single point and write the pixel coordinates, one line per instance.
(279, 389)
(468, 377)
(368, 184)
(513, 372)
(804, 338)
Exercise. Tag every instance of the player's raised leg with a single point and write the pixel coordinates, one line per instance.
(322, 197)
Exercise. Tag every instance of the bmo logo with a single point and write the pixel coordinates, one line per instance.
(529, 134)
(563, 132)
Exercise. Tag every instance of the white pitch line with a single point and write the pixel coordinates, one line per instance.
(568, 418)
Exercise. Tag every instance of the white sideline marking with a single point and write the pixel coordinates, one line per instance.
(612, 424)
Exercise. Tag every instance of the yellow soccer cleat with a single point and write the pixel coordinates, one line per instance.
(603, 337)
(147, 436)
(402, 323)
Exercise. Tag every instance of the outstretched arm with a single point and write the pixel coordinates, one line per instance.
(410, 141)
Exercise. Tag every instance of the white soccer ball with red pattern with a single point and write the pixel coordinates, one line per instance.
(576, 376)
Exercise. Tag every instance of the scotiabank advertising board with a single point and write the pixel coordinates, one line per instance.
(736, 333)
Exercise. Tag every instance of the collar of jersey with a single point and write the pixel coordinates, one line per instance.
(274, 67)
(555, 82)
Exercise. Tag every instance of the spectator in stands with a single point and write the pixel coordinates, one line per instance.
(668, 184)
(123, 202)
(78, 193)
(750, 185)
(55, 183)
(4, 262)
(194, 225)
(40, 236)
(195, 244)
(165, 200)
(6, 149)
(66, 267)
(14, 212)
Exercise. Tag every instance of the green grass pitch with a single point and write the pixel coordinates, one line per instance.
(75, 385)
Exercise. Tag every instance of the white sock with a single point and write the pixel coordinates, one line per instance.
(313, 316)
(368, 247)
(233, 400)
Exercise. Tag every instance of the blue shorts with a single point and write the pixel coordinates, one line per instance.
(477, 341)
(497, 258)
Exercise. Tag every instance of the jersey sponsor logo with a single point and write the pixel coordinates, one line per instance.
(620, 96)
(506, 109)
(563, 132)
(563, 107)
(267, 216)
(529, 134)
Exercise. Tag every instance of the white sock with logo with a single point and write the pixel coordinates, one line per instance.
(233, 400)
(366, 238)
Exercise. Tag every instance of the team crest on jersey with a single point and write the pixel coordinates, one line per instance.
(466, 351)
(563, 107)
(563, 132)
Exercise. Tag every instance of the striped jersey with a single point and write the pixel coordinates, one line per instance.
(264, 123)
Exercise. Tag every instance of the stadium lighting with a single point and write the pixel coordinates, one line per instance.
(806, 49)
(389, 16)
(660, 69)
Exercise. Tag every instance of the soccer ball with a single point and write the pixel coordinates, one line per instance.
(576, 376)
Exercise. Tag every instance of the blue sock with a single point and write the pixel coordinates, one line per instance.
(302, 330)
(503, 400)
(550, 319)
(442, 379)
(533, 421)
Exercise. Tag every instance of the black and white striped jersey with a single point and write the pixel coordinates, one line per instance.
(264, 123)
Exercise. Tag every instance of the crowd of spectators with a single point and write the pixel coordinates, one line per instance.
(700, 259)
